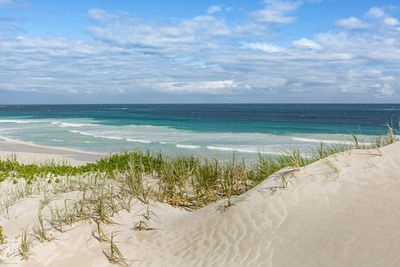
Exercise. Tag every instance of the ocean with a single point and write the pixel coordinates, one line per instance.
(202, 129)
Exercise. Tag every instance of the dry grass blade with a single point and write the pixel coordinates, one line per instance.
(39, 229)
(115, 256)
(24, 245)
(142, 226)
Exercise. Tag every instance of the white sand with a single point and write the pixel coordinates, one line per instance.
(40, 158)
(340, 211)
(28, 154)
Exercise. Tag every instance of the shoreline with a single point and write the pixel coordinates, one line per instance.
(32, 153)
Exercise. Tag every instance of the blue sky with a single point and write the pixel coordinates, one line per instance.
(182, 51)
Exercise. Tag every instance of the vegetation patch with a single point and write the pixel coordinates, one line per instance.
(105, 188)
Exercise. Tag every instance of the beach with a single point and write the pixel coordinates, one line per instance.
(339, 211)
(200, 133)
(36, 154)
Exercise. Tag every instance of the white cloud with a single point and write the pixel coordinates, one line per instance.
(214, 9)
(376, 12)
(383, 90)
(276, 11)
(127, 30)
(306, 43)
(379, 13)
(207, 87)
(208, 56)
(352, 23)
(99, 14)
(270, 48)
(391, 21)
(359, 80)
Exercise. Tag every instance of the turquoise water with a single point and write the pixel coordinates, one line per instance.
(245, 129)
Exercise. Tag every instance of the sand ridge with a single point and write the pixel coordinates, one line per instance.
(340, 211)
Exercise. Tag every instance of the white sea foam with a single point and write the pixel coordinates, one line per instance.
(147, 126)
(138, 141)
(312, 140)
(69, 124)
(241, 149)
(97, 135)
(187, 146)
(18, 121)
(167, 143)
(11, 140)
(16, 141)
(111, 137)
(82, 133)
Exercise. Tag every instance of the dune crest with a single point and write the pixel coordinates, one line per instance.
(339, 211)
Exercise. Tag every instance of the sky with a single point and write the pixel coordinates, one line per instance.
(199, 51)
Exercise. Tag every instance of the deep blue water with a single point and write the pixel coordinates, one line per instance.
(261, 118)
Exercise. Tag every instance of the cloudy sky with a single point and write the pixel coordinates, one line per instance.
(181, 51)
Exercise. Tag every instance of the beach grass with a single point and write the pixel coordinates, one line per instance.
(1, 235)
(115, 254)
(25, 245)
(111, 184)
(187, 181)
(39, 229)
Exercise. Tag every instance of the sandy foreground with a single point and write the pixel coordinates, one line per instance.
(340, 211)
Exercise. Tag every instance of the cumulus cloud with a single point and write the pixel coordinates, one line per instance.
(276, 11)
(376, 12)
(214, 9)
(270, 48)
(306, 43)
(352, 23)
(127, 30)
(208, 87)
(207, 56)
(391, 21)
(379, 13)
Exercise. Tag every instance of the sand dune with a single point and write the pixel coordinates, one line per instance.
(339, 211)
